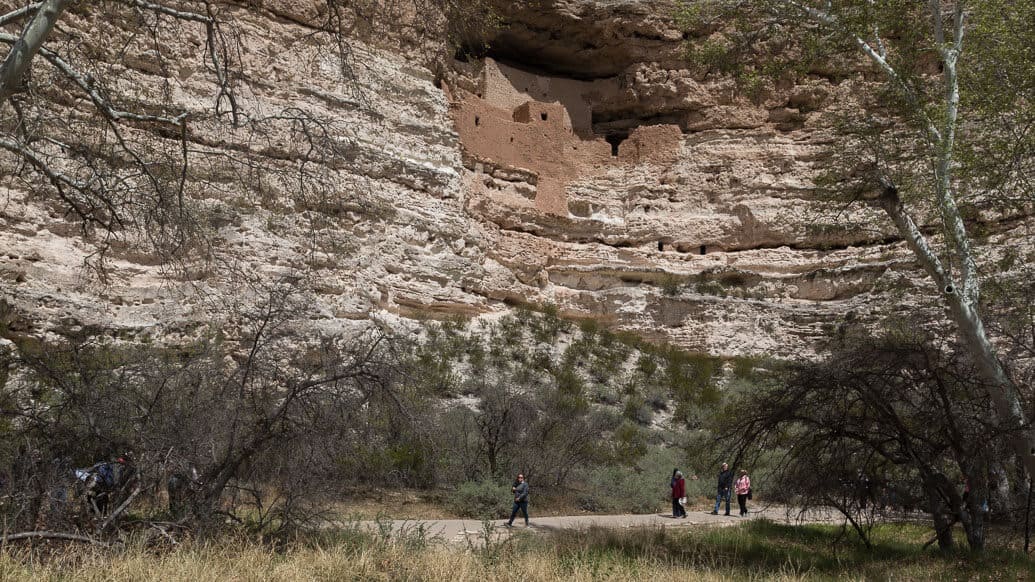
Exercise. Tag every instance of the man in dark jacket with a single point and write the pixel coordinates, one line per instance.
(725, 485)
(520, 490)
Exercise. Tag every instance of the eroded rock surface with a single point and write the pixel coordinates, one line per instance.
(581, 163)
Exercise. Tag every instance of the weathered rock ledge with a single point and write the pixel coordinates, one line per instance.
(580, 164)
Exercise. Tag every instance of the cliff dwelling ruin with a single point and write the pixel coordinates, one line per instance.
(543, 126)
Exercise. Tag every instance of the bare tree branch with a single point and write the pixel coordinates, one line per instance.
(18, 14)
(52, 535)
(119, 510)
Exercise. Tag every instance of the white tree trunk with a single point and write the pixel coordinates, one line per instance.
(32, 39)
(962, 297)
(1004, 394)
(971, 331)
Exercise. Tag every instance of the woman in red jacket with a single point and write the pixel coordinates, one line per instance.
(678, 492)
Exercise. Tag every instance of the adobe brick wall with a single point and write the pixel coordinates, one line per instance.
(544, 125)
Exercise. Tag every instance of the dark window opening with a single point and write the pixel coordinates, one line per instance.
(477, 120)
(511, 140)
(661, 246)
(542, 116)
(467, 52)
(615, 139)
(703, 249)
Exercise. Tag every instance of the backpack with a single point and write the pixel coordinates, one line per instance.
(107, 474)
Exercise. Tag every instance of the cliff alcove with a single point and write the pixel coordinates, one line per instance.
(526, 120)
(579, 170)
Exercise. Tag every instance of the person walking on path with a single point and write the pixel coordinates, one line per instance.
(725, 482)
(743, 487)
(678, 495)
(520, 490)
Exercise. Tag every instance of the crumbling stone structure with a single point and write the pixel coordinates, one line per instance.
(543, 125)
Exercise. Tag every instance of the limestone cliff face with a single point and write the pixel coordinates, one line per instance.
(618, 183)
(580, 163)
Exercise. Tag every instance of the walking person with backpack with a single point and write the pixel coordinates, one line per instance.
(105, 482)
(723, 492)
(678, 494)
(520, 490)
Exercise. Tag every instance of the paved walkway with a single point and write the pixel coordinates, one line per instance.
(473, 531)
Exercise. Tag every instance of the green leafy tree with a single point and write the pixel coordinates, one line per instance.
(949, 136)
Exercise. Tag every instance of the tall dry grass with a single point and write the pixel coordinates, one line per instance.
(393, 562)
(757, 550)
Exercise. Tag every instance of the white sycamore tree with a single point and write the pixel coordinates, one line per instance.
(960, 74)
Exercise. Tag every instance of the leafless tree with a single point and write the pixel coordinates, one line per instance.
(890, 420)
(128, 163)
(117, 166)
(257, 414)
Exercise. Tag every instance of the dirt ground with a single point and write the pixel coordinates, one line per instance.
(472, 531)
(416, 504)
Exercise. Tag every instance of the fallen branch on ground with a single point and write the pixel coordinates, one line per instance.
(165, 534)
(119, 509)
(55, 535)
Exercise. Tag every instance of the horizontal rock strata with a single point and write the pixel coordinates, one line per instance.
(580, 163)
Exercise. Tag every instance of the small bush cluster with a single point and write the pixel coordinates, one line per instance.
(485, 499)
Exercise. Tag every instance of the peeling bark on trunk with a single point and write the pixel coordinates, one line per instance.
(971, 331)
(26, 47)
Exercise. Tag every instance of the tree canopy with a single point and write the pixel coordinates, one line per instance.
(946, 132)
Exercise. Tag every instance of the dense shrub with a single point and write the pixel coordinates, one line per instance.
(482, 499)
(643, 488)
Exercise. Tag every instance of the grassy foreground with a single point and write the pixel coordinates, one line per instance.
(757, 550)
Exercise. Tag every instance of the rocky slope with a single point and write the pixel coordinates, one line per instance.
(580, 163)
